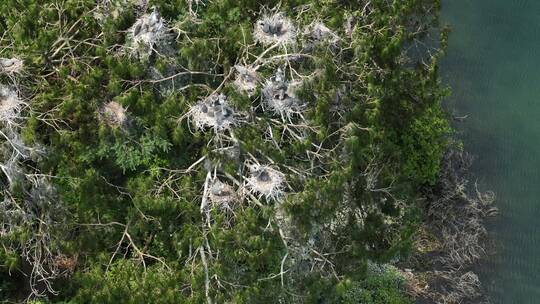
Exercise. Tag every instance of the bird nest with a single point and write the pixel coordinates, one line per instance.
(10, 65)
(318, 33)
(10, 105)
(280, 96)
(113, 114)
(213, 112)
(247, 79)
(265, 181)
(148, 32)
(222, 195)
(275, 29)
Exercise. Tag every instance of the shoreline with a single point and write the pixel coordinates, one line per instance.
(453, 239)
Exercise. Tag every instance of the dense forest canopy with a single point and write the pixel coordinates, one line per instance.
(221, 151)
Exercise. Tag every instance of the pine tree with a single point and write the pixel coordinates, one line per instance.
(215, 151)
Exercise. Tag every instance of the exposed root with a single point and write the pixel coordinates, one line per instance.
(458, 214)
(453, 238)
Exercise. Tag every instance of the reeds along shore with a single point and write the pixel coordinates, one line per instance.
(453, 237)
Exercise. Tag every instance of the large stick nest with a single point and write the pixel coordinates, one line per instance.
(213, 112)
(265, 181)
(11, 66)
(222, 195)
(280, 96)
(247, 79)
(275, 29)
(146, 34)
(113, 114)
(10, 105)
(318, 33)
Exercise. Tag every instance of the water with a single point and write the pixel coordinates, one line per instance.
(493, 67)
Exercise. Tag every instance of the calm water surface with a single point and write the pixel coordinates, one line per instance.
(493, 67)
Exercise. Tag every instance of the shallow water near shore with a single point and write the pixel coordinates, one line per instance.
(493, 67)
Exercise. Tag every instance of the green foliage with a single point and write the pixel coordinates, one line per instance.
(424, 143)
(130, 155)
(126, 282)
(375, 291)
(372, 121)
(382, 286)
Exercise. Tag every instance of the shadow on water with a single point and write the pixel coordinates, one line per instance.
(493, 67)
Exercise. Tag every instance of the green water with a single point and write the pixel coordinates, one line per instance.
(493, 67)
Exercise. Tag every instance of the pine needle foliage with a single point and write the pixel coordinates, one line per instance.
(134, 166)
